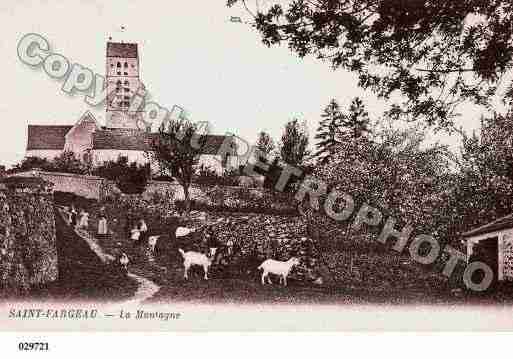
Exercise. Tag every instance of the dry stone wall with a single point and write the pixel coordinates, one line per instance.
(28, 252)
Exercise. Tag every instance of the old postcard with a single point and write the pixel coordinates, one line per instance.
(256, 165)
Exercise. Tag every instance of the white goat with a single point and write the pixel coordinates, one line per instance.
(277, 267)
(191, 258)
(123, 261)
(183, 231)
(152, 242)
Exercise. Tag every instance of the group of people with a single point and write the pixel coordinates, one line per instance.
(78, 218)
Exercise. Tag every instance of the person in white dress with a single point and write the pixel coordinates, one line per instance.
(102, 226)
(143, 229)
(84, 220)
(135, 234)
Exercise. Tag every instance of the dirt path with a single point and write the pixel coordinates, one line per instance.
(146, 288)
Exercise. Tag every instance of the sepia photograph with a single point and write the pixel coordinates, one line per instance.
(256, 165)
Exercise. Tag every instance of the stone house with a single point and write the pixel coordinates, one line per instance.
(91, 142)
(120, 136)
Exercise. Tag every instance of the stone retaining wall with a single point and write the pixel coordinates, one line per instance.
(28, 252)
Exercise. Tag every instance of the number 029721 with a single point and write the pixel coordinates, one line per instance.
(35, 346)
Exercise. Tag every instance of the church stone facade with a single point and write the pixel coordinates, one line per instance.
(121, 135)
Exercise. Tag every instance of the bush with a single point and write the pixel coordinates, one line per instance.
(30, 163)
(208, 177)
(67, 198)
(242, 201)
(66, 162)
(131, 178)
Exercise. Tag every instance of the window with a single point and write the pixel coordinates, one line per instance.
(126, 89)
(119, 72)
(127, 83)
(119, 64)
(125, 73)
(126, 64)
(118, 82)
(127, 97)
(111, 65)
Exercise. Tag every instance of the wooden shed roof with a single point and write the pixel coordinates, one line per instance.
(505, 222)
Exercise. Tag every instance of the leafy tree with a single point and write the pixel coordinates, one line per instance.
(437, 54)
(294, 143)
(177, 149)
(484, 189)
(131, 178)
(328, 131)
(398, 173)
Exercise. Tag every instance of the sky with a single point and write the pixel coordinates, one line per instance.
(191, 55)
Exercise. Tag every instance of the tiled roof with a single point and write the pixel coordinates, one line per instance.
(497, 225)
(212, 144)
(129, 139)
(46, 137)
(117, 49)
(54, 137)
(121, 139)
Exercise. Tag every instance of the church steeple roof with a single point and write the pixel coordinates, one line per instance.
(120, 49)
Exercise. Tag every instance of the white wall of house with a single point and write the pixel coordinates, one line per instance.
(214, 162)
(100, 156)
(46, 154)
(505, 250)
(80, 138)
(141, 157)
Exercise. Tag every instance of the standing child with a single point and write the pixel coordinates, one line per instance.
(143, 228)
(135, 234)
(74, 215)
(229, 244)
(102, 225)
(84, 220)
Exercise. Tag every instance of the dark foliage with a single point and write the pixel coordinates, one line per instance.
(437, 54)
(208, 177)
(177, 150)
(294, 143)
(67, 198)
(131, 178)
(66, 162)
(328, 132)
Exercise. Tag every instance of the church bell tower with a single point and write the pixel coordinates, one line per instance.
(122, 75)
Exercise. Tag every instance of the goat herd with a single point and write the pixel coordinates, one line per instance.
(190, 258)
(193, 258)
